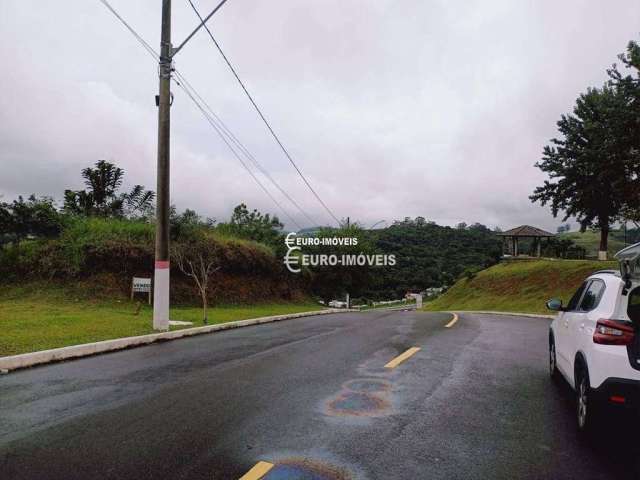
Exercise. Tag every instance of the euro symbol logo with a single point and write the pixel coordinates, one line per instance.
(291, 259)
(290, 240)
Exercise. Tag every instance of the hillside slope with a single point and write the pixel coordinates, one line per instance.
(518, 286)
(590, 240)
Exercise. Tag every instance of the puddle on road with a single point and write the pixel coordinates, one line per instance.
(357, 404)
(361, 397)
(303, 469)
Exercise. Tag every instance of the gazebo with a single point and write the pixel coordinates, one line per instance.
(523, 231)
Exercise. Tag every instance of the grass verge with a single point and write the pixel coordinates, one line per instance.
(37, 318)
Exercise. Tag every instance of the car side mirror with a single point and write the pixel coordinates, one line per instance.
(555, 305)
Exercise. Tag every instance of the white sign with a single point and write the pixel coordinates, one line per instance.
(141, 285)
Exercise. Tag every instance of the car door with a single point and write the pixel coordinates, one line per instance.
(582, 324)
(565, 346)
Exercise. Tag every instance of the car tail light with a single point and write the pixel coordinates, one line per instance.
(613, 332)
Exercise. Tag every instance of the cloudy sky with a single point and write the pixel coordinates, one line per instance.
(392, 108)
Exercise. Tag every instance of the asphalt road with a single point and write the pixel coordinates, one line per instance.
(313, 397)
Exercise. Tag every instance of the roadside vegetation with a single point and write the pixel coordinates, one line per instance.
(589, 240)
(66, 271)
(518, 286)
(107, 231)
(40, 316)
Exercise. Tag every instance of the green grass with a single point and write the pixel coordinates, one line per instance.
(35, 318)
(518, 286)
(590, 241)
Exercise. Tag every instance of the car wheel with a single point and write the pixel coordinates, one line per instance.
(585, 407)
(553, 366)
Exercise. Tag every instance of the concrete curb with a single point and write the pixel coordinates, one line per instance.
(514, 314)
(75, 351)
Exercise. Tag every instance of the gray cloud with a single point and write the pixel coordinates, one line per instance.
(392, 109)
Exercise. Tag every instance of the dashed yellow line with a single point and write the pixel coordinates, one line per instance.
(453, 321)
(402, 357)
(258, 471)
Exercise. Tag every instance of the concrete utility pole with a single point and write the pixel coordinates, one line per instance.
(161, 271)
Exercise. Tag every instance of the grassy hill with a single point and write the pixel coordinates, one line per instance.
(590, 240)
(518, 286)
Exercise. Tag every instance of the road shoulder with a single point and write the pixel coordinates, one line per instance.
(26, 360)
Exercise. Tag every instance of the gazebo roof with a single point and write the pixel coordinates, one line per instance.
(526, 231)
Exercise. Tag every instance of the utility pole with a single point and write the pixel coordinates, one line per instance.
(164, 100)
(161, 270)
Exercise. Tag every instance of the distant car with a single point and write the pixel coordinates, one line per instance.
(337, 304)
(594, 341)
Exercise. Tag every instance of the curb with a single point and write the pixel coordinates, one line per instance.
(513, 314)
(25, 360)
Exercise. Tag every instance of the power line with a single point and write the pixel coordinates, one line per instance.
(243, 149)
(273, 133)
(202, 23)
(146, 46)
(217, 128)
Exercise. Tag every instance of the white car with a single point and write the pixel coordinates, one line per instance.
(337, 304)
(594, 341)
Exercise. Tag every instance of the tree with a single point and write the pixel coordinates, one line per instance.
(34, 217)
(560, 247)
(253, 225)
(197, 258)
(630, 85)
(334, 281)
(429, 255)
(185, 223)
(593, 172)
(102, 198)
(6, 222)
(138, 203)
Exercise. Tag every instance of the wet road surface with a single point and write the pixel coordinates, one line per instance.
(312, 396)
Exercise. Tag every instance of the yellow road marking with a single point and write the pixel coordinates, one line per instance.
(401, 358)
(453, 321)
(258, 471)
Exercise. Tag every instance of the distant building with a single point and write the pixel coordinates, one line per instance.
(511, 237)
(433, 291)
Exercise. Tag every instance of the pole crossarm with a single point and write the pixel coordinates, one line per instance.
(206, 19)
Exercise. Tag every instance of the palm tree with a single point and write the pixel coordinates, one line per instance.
(101, 197)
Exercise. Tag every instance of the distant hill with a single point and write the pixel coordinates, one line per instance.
(590, 240)
(309, 231)
(429, 255)
(518, 285)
